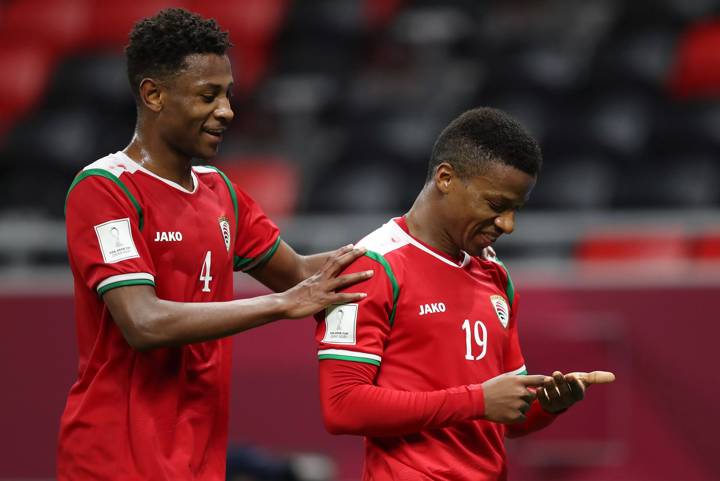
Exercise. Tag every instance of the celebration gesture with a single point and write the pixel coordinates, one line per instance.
(562, 391)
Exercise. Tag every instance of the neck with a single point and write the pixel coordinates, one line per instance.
(157, 157)
(422, 222)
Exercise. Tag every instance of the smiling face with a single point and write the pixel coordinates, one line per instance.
(480, 209)
(196, 108)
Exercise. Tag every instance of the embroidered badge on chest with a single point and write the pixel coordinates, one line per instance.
(501, 309)
(225, 230)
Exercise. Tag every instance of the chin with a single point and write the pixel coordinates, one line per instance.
(205, 154)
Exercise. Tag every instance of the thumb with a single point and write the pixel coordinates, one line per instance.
(594, 377)
(536, 380)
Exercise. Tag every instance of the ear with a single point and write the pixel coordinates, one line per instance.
(444, 176)
(151, 94)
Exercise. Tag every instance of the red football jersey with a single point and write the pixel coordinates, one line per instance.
(429, 322)
(161, 414)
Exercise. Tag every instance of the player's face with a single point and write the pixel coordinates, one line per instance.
(483, 208)
(196, 109)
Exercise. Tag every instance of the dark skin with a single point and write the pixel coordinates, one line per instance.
(184, 117)
(455, 214)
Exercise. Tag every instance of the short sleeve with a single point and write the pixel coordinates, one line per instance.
(358, 332)
(257, 236)
(105, 246)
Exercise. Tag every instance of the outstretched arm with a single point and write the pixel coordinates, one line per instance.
(148, 322)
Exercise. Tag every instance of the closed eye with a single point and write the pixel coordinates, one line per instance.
(496, 207)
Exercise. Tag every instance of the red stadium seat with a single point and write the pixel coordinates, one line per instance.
(706, 247)
(272, 182)
(26, 67)
(633, 246)
(634, 256)
(112, 21)
(697, 68)
(60, 24)
(380, 13)
(253, 25)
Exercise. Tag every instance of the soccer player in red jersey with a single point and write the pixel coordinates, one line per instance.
(428, 366)
(152, 243)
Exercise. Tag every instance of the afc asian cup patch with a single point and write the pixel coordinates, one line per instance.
(115, 240)
(225, 231)
(340, 323)
(501, 309)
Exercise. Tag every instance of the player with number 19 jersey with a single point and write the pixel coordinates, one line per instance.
(159, 414)
(429, 323)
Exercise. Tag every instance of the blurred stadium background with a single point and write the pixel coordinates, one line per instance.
(617, 256)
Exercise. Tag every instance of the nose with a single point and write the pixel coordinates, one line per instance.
(224, 111)
(506, 222)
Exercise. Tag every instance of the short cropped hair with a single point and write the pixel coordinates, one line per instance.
(484, 135)
(158, 45)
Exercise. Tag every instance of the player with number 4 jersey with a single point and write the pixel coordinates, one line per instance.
(153, 242)
(127, 226)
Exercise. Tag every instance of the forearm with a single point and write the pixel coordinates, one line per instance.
(536, 419)
(352, 405)
(149, 322)
(177, 323)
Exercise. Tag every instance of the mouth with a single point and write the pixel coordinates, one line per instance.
(488, 238)
(216, 133)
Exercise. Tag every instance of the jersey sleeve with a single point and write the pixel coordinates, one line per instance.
(352, 404)
(357, 332)
(105, 245)
(257, 236)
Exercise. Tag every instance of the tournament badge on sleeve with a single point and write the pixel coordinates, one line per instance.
(340, 324)
(501, 309)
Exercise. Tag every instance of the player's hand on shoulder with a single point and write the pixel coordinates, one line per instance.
(562, 391)
(320, 290)
(508, 398)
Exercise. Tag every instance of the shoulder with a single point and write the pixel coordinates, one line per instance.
(384, 241)
(107, 174)
(112, 166)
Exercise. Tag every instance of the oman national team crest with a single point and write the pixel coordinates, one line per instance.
(225, 229)
(501, 309)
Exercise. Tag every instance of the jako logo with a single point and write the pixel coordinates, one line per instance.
(168, 236)
(431, 308)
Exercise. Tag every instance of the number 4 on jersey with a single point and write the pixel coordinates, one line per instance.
(205, 272)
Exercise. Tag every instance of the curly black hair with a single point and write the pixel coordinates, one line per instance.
(158, 45)
(483, 135)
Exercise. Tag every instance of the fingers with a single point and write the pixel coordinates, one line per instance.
(577, 387)
(342, 258)
(347, 297)
(562, 386)
(350, 279)
(595, 377)
(543, 397)
(537, 380)
(551, 390)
